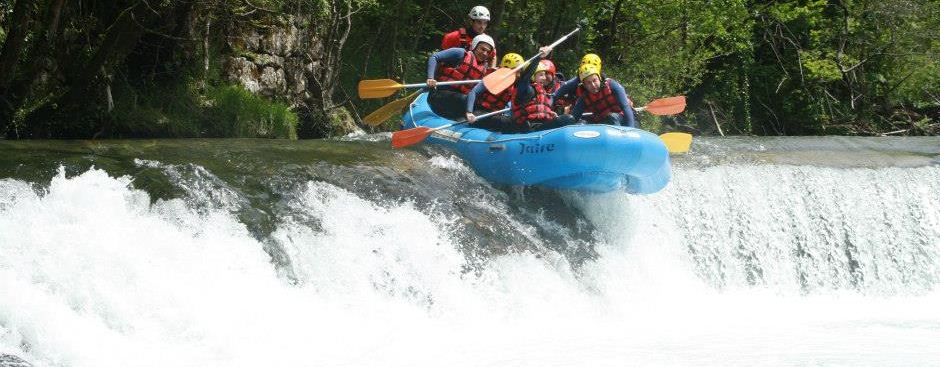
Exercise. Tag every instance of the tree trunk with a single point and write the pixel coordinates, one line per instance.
(393, 47)
(496, 13)
(13, 47)
(424, 15)
(685, 25)
(42, 53)
(338, 24)
(614, 27)
(120, 39)
(81, 89)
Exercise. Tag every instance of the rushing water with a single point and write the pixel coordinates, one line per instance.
(767, 252)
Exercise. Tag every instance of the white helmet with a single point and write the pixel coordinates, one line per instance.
(482, 38)
(480, 12)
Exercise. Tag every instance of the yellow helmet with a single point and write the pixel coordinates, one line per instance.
(587, 70)
(511, 60)
(592, 59)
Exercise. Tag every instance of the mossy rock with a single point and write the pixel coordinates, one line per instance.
(341, 122)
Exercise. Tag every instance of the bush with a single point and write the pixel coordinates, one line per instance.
(156, 111)
(181, 111)
(236, 112)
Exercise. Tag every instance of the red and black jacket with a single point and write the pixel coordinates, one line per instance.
(459, 38)
(560, 102)
(600, 104)
(490, 102)
(539, 108)
(469, 69)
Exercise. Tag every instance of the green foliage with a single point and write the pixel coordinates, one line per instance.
(784, 67)
(236, 112)
(158, 111)
(180, 110)
(820, 67)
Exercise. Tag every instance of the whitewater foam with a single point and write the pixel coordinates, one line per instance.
(94, 274)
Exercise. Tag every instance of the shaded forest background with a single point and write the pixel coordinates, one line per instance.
(89, 68)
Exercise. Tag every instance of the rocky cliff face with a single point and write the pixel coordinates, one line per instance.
(279, 63)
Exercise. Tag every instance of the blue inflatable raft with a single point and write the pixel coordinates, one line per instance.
(590, 158)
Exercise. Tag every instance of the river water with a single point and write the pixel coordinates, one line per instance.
(761, 251)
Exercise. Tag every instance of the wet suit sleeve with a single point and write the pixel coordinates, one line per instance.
(524, 91)
(578, 109)
(565, 89)
(472, 96)
(621, 95)
(451, 56)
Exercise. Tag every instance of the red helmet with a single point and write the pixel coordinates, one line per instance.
(549, 66)
(544, 65)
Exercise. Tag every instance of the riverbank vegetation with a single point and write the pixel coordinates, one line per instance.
(132, 68)
(787, 67)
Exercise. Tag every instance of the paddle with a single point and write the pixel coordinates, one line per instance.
(501, 79)
(677, 142)
(380, 88)
(404, 138)
(387, 111)
(664, 106)
(660, 106)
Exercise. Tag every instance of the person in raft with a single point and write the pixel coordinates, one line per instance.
(479, 18)
(560, 104)
(531, 103)
(565, 95)
(456, 64)
(480, 101)
(605, 99)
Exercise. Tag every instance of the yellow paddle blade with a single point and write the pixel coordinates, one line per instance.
(387, 111)
(499, 80)
(666, 106)
(404, 138)
(378, 88)
(677, 142)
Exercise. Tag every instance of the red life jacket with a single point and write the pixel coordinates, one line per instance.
(601, 104)
(459, 38)
(465, 39)
(468, 69)
(561, 102)
(554, 87)
(539, 108)
(490, 102)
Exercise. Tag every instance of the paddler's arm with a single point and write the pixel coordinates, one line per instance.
(451, 56)
(472, 99)
(566, 88)
(621, 94)
(524, 91)
(578, 109)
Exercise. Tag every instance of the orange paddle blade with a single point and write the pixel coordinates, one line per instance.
(499, 80)
(387, 111)
(404, 138)
(378, 88)
(666, 106)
